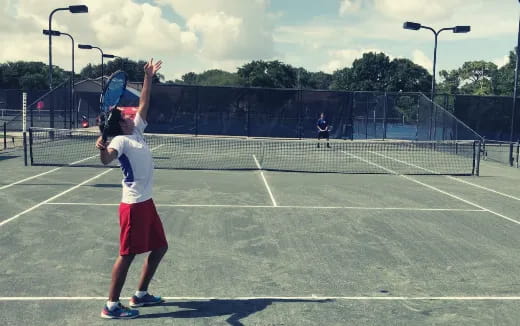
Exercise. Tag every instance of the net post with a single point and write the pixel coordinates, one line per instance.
(31, 145)
(5, 135)
(511, 155)
(476, 157)
(484, 146)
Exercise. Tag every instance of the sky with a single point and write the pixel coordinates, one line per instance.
(197, 35)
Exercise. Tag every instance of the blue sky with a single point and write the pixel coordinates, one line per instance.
(196, 35)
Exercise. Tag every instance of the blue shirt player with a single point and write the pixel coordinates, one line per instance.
(323, 129)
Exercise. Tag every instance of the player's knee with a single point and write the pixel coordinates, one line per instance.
(161, 251)
(127, 258)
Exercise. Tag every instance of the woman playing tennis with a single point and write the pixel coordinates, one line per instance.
(141, 229)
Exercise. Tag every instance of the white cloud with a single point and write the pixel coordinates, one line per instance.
(228, 29)
(486, 18)
(225, 34)
(120, 27)
(422, 59)
(418, 9)
(501, 61)
(311, 35)
(349, 6)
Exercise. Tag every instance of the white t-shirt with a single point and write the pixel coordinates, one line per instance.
(136, 162)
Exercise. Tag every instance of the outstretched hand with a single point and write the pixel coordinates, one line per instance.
(150, 68)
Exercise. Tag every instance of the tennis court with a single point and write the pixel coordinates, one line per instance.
(264, 247)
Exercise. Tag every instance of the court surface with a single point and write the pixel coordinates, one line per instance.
(267, 248)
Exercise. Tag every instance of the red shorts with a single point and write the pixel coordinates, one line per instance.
(141, 228)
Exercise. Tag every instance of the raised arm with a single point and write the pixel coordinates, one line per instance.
(106, 154)
(150, 69)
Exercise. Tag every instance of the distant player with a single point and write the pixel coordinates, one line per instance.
(323, 129)
(141, 228)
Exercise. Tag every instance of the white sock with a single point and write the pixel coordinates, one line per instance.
(111, 305)
(140, 294)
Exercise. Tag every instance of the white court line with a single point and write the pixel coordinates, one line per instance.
(309, 298)
(436, 189)
(450, 177)
(53, 197)
(290, 206)
(27, 179)
(64, 192)
(44, 173)
(265, 181)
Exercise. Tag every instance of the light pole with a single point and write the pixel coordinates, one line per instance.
(73, 9)
(513, 109)
(90, 47)
(417, 26)
(111, 56)
(58, 33)
(457, 29)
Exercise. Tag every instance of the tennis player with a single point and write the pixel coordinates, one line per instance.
(141, 229)
(323, 129)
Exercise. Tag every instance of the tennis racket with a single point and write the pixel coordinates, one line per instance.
(114, 90)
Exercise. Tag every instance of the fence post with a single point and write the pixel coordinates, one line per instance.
(517, 153)
(5, 135)
(385, 107)
(197, 110)
(24, 126)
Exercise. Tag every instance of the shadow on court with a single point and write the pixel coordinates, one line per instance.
(7, 157)
(237, 309)
(106, 185)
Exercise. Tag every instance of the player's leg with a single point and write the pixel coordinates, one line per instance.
(119, 272)
(113, 308)
(158, 246)
(150, 266)
(327, 134)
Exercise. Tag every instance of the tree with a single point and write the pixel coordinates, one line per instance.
(451, 82)
(505, 78)
(214, 77)
(478, 76)
(375, 72)
(370, 72)
(189, 79)
(319, 80)
(406, 76)
(134, 69)
(29, 75)
(273, 74)
(341, 79)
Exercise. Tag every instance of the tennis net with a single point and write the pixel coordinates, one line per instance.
(76, 148)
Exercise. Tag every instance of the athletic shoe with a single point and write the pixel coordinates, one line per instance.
(120, 312)
(147, 300)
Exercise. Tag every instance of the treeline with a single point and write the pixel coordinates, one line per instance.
(371, 72)
(35, 75)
